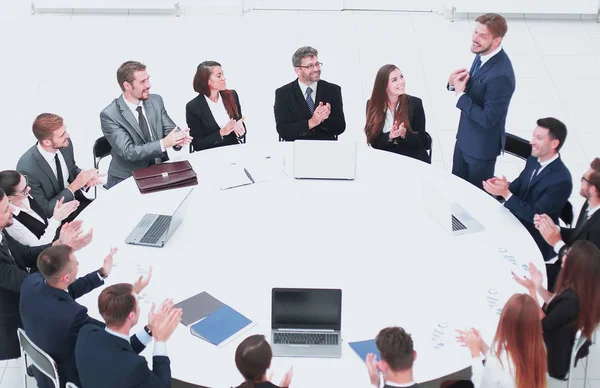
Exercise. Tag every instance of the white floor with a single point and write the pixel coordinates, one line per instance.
(67, 65)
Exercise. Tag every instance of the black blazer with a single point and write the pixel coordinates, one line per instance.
(203, 127)
(416, 143)
(292, 114)
(559, 331)
(105, 360)
(584, 230)
(52, 319)
(12, 274)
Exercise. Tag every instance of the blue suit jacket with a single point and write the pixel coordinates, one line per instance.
(547, 193)
(105, 360)
(52, 319)
(481, 130)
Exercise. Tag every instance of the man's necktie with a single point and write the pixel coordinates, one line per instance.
(477, 65)
(309, 101)
(143, 124)
(534, 173)
(59, 173)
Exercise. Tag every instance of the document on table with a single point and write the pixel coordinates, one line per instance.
(254, 170)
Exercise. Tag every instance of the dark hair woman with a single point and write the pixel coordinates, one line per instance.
(253, 358)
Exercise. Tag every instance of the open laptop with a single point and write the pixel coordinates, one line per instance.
(154, 230)
(324, 159)
(452, 217)
(306, 322)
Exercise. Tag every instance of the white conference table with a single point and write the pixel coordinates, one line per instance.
(370, 237)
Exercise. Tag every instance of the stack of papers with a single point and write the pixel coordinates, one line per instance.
(252, 171)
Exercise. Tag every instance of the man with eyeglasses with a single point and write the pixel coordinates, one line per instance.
(586, 228)
(50, 313)
(309, 108)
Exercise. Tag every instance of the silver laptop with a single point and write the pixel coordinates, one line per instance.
(452, 217)
(306, 322)
(324, 159)
(154, 230)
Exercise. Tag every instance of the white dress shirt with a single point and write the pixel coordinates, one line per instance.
(160, 348)
(49, 157)
(134, 111)
(494, 374)
(389, 121)
(218, 111)
(19, 232)
(537, 172)
(589, 212)
(303, 88)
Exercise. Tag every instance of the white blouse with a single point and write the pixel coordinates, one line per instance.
(494, 374)
(218, 111)
(19, 232)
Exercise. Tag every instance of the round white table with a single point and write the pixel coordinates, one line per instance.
(371, 237)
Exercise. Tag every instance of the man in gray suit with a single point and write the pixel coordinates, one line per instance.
(137, 125)
(50, 167)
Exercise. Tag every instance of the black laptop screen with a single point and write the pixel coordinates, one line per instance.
(306, 308)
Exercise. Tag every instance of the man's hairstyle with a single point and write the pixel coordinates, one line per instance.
(9, 179)
(115, 303)
(45, 124)
(396, 348)
(53, 261)
(303, 52)
(556, 129)
(495, 23)
(126, 72)
(2, 194)
(594, 177)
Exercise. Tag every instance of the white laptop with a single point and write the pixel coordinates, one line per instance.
(452, 217)
(324, 159)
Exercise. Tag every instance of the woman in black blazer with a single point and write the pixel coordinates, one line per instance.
(395, 120)
(574, 307)
(253, 357)
(215, 115)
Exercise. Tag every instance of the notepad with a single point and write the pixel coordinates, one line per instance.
(363, 348)
(250, 171)
(222, 326)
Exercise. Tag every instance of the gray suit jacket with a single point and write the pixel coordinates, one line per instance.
(43, 182)
(129, 149)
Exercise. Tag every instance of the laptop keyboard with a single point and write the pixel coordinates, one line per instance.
(306, 338)
(158, 228)
(457, 225)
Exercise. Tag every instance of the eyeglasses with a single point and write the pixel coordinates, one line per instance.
(24, 192)
(312, 66)
(586, 180)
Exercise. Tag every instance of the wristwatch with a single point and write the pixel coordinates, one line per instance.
(101, 273)
(147, 330)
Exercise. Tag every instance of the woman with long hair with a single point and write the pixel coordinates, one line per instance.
(215, 115)
(30, 225)
(574, 306)
(517, 357)
(396, 120)
(253, 357)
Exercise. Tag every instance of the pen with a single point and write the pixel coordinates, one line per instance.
(249, 176)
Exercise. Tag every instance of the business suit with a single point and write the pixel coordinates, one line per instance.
(105, 360)
(416, 143)
(292, 113)
(43, 182)
(481, 130)
(52, 319)
(130, 149)
(13, 271)
(203, 127)
(544, 193)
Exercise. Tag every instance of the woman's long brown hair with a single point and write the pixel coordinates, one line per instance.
(201, 86)
(581, 273)
(519, 334)
(379, 102)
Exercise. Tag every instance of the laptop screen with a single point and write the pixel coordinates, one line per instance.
(304, 308)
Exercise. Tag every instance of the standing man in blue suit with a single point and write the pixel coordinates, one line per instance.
(545, 184)
(483, 96)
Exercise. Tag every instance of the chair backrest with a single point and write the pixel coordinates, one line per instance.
(566, 214)
(430, 146)
(517, 146)
(70, 385)
(42, 361)
(335, 137)
(101, 150)
(580, 340)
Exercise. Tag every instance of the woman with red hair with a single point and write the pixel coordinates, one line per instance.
(395, 120)
(215, 115)
(575, 305)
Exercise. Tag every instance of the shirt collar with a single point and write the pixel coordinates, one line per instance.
(547, 162)
(392, 384)
(487, 57)
(208, 100)
(131, 106)
(16, 209)
(592, 210)
(48, 156)
(123, 336)
(303, 87)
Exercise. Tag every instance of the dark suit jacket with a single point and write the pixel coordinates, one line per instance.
(203, 127)
(12, 275)
(52, 319)
(559, 331)
(292, 114)
(481, 130)
(105, 360)
(43, 182)
(584, 230)
(416, 143)
(547, 193)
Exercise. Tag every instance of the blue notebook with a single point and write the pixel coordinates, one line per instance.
(221, 326)
(362, 348)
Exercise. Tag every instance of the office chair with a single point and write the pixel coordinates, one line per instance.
(40, 359)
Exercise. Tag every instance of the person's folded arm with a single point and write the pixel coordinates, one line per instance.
(498, 92)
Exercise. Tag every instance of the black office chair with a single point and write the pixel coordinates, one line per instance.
(566, 214)
(101, 150)
(242, 141)
(517, 146)
(430, 146)
(335, 137)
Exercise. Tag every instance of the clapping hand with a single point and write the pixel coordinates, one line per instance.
(471, 339)
(373, 369)
(547, 229)
(460, 82)
(497, 186)
(96, 180)
(63, 210)
(108, 262)
(142, 282)
(239, 128)
(287, 378)
(228, 128)
(70, 234)
(397, 131)
(321, 113)
(528, 283)
(456, 74)
(164, 325)
(164, 309)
